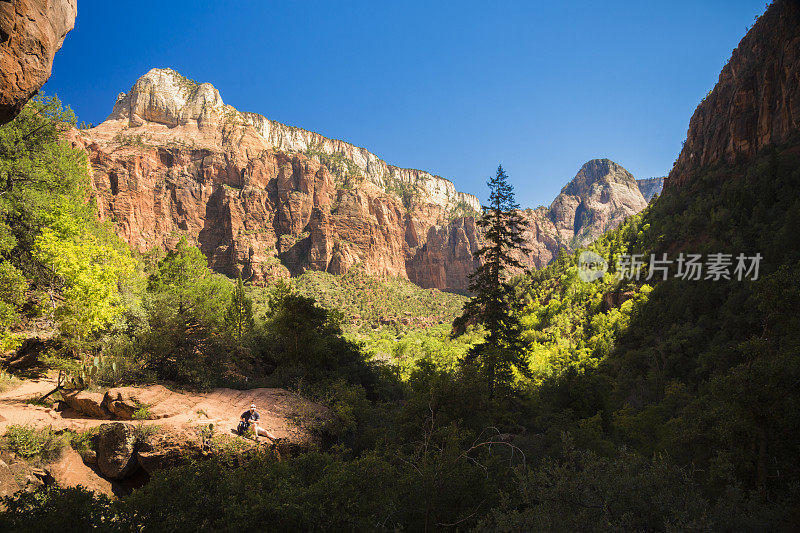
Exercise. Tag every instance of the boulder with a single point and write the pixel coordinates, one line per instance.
(31, 32)
(116, 450)
(16, 474)
(155, 401)
(615, 299)
(166, 449)
(88, 403)
(71, 470)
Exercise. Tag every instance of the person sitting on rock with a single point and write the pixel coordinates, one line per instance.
(251, 416)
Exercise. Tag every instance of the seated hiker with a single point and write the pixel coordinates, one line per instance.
(251, 416)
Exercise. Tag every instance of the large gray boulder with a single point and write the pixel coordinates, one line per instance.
(116, 450)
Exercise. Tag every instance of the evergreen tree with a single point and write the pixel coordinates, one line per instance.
(239, 315)
(491, 304)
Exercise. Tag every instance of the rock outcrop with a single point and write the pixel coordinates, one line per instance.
(116, 450)
(31, 32)
(90, 403)
(756, 102)
(651, 187)
(257, 197)
(268, 200)
(599, 198)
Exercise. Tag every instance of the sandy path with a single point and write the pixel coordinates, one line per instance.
(280, 409)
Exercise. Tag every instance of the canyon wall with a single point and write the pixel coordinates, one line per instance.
(600, 196)
(650, 187)
(31, 32)
(267, 200)
(756, 102)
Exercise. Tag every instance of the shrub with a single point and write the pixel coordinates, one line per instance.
(143, 413)
(7, 381)
(30, 442)
(82, 441)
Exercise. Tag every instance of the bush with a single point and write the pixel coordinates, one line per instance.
(33, 443)
(8, 381)
(57, 509)
(82, 441)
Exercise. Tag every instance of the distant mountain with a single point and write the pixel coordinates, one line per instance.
(600, 196)
(651, 187)
(270, 200)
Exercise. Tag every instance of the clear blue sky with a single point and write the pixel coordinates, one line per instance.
(449, 87)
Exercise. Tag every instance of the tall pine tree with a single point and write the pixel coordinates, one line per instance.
(502, 225)
(239, 315)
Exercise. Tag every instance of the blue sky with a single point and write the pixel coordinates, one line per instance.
(453, 88)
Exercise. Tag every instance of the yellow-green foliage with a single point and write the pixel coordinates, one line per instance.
(566, 324)
(90, 265)
(407, 348)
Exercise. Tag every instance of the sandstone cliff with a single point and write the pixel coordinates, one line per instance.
(269, 200)
(31, 32)
(650, 187)
(756, 102)
(597, 199)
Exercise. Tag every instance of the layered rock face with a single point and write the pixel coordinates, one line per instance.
(756, 102)
(650, 187)
(597, 199)
(267, 200)
(31, 32)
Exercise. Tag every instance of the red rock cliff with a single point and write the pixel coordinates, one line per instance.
(756, 102)
(31, 32)
(268, 200)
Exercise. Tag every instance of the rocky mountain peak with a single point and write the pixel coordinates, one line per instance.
(600, 196)
(269, 200)
(598, 171)
(164, 96)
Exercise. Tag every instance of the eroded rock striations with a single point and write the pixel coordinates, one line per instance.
(756, 102)
(597, 199)
(651, 187)
(270, 200)
(31, 32)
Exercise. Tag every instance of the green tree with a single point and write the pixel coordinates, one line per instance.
(239, 315)
(491, 305)
(88, 265)
(39, 171)
(186, 339)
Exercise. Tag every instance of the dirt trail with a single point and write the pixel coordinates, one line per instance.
(280, 409)
(178, 415)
